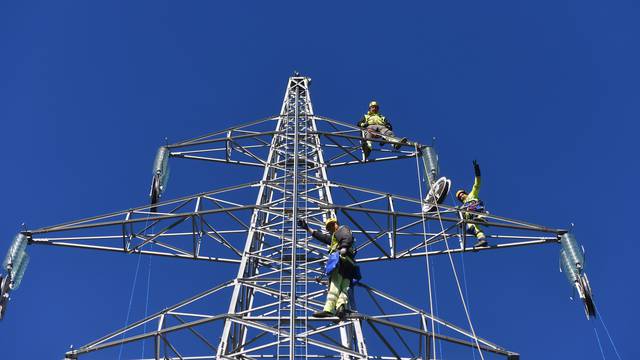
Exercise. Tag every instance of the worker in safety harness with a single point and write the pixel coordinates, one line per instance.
(471, 202)
(341, 267)
(375, 125)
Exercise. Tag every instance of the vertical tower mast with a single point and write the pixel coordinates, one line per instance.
(294, 176)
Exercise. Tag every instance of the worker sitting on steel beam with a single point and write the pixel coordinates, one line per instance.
(376, 125)
(341, 267)
(471, 202)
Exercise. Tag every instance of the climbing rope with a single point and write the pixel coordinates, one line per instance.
(464, 280)
(126, 322)
(426, 255)
(599, 343)
(453, 267)
(133, 287)
(146, 304)
(606, 330)
(466, 292)
(435, 300)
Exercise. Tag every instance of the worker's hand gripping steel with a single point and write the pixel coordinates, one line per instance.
(303, 224)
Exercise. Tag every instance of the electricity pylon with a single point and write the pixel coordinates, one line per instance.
(279, 282)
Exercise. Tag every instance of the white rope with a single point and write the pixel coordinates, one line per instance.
(126, 322)
(455, 275)
(146, 304)
(464, 278)
(615, 349)
(133, 288)
(599, 343)
(435, 300)
(426, 255)
(453, 266)
(466, 293)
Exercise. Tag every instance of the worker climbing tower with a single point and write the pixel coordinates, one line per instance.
(280, 278)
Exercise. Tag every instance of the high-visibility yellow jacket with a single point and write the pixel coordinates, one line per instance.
(472, 202)
(374, 119)
(473, 194)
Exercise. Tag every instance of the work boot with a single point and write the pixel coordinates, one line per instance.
(366, 150)
(402, 141)
(341, 313)
(481, 243)
(480, 218)
(323, 314)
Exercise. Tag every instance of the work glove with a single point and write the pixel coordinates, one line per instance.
(303, 224)
(343, 251)
(476, 168)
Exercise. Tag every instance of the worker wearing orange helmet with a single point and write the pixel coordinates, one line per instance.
(376, 125)
(341, 267)
(471, 202)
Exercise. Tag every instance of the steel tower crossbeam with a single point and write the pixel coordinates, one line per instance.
(366, 210)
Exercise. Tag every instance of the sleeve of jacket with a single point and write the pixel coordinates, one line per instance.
(475, 190)
(362, 122)
(344, 237)
(322, 237)
(388, 124)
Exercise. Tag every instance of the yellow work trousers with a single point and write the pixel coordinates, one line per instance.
(474, 229)
(338, 292)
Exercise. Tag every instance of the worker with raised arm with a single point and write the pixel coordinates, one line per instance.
(375, 125)
(340, 266)
(471, 202)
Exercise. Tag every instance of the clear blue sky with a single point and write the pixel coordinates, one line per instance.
(543, 93)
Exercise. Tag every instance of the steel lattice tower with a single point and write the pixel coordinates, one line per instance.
(278, 284)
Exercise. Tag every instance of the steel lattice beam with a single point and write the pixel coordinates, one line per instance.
(275, 289)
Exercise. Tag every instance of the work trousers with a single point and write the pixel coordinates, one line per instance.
(383, 130)
(474, 229)
(338, 292)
